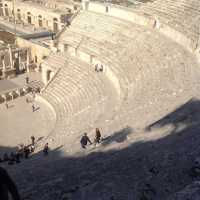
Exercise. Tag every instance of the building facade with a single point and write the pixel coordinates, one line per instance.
(34, 14)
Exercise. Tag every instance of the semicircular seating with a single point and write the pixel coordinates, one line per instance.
(77, 93)
(147, 76)
(181, 15)
(148, 66)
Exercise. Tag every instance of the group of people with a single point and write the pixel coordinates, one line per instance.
(22, 152)
(85, 139)
(98, 68)
(7, 185)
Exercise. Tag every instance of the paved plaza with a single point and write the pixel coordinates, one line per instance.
(19, 123)
(133, 73)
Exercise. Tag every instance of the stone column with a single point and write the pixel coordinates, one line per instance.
(4, 13)
(20, 61)
(44, 74)
(28, 61)
(4, 65)
(10, 56)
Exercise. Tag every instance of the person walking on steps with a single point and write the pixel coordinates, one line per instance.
(46, 149)
(32, 140)
(33, 107)
(7, 186)
(27, 80)
(84, 140)
(97, 138)
(26, 152)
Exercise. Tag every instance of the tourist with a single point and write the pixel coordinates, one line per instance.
(84, 140)
(32, 140)
(27, 80)
(97, 138)
(32, 148)
(7, 186)
(99, 67)
(20, 150)
(26, 152)
(33, 107)
(46, 149)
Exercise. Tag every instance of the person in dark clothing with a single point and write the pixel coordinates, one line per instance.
(32, 148)
(32, 140)
(7, 186)
(97, 138)
(20, 151)
(33, 108)
(84, 140)
(46, 149)
(26, 152)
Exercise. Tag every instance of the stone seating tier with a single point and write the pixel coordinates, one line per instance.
(181, 15)
(75, 91)
(156, 63)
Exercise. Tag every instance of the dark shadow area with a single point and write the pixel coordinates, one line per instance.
(119, 136)
(144, 170)
(187, 115)
(7, 149)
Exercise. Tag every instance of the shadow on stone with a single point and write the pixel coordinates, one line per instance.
(119, 136)
(146, 169)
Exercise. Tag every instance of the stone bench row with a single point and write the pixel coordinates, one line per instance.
(78, 98)
(181, 16)
(103, 53)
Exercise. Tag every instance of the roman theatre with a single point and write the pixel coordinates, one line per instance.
(129, 68)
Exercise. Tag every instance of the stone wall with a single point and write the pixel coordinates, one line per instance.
(119, 12)
(128, 14)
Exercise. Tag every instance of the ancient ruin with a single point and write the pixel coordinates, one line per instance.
(129, 68)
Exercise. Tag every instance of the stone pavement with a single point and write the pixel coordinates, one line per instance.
(7, 85)
(33, 76)
(18, 122)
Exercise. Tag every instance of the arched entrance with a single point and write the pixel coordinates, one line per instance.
(55, 24)
(1, 9)
(18, 14)
(6, 10)
(40, 21)
(29, 19)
